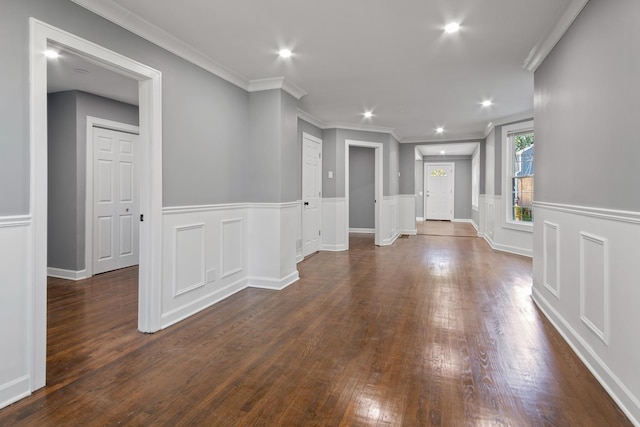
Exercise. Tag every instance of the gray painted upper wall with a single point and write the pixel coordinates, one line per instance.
(304, 127)
(67, 153)
(361, 187)
(291, 154)
(462, 184)
(205, 119)
(333, 159)
(586, 109)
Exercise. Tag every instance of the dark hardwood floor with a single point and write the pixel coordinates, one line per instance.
(431, 331)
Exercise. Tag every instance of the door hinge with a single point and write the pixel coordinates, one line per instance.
(141, 218)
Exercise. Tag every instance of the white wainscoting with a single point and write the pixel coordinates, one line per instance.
(211, 252)
(16, 289)
(334, 228)
(389, 221)
(299, 256)
(492, 219)
(594, 302)
(407, 213)
(272, 245)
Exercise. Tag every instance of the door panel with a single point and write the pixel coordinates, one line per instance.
(311, 195)
(439, 179)
(115, 200)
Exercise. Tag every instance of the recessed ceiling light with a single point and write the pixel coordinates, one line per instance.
(51, 54)
(368, 114)
(452, 27)
(285, 53)
(440, 130)
(442, 152)
(487, 103)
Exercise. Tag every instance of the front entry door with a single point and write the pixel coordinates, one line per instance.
(115, 200)
(439, 196)
(311, 194)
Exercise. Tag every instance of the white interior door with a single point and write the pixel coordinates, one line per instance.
(439, 187)
(311, 194)
(115, 200)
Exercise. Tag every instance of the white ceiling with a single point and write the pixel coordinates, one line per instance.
(457, 149)
(70, 71)
(389, 57)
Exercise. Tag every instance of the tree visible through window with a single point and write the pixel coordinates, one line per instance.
(522, 177)
(438, 172)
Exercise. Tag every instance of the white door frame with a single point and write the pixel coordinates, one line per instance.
(453, 190)
(319, 141)
(378, 147)
(42, 37)
(92, 123)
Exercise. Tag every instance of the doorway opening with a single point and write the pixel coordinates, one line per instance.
(311, 194)
(378, 183)
(439, 191)
(44, 37)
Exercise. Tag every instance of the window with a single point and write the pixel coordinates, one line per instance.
(518, 151)
(438, 172)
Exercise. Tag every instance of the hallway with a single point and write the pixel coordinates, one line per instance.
(430, 331)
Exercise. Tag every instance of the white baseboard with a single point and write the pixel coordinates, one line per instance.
(412, 232)
(623, 397)
(391, 240)
(419, 218)
(274, 284)
(299, 257)
(363, 230)
(506, 248)
(202, 303)
(14, 390)
(334, 248)
(66, 274)
(467, 221)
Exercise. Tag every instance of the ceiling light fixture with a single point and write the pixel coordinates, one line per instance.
(285, 53)
(452, 27)
(440, 130)
(487, 103)
(368, 114)
(442, 152)
(51, 54)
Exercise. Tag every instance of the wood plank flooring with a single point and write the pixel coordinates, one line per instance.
(446, 228)
(435, 331)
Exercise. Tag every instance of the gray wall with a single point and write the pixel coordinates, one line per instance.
(275, 158)
(205, 119)
(462, 184)
(67, 118)
(361, 187)
(419, 183)
(587, 92)
(306, 127)
(333, 160)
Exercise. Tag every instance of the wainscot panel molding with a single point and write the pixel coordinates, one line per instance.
(188, 258)
(231, 251)
(333, 224)
(492, 215)
(407, 211)
(17, 269)
(595, 252)
(67, 274)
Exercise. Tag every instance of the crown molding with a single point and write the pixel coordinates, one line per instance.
(156, 35)
(276, 83)
(527, 115)
(309, 118)
(361, 127)
(468, 137)
(553, 36)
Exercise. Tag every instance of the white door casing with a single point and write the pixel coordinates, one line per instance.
(378, 147)
(311, 194)
(43, 36)
(115, 200)
(439, 190)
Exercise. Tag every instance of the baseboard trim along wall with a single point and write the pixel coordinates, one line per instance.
(66, 274)
(363, 230)
(584, 274)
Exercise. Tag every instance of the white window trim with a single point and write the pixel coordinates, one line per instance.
(507, 167)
